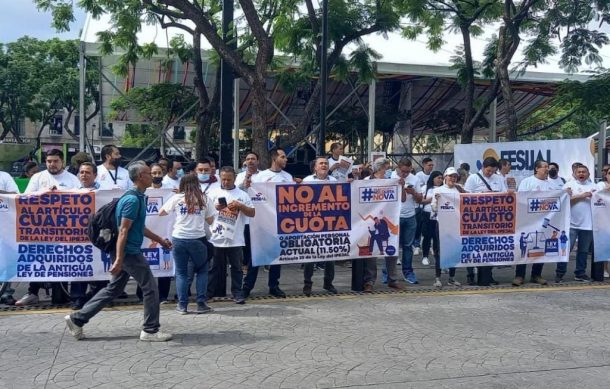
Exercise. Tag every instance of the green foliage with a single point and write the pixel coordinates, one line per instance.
(140, 135)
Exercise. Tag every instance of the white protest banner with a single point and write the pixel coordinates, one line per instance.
(600, 208)
(324, 221)
(43, 236)
(490, 229)
(523, 155)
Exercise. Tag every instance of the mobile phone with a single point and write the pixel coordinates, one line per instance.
(222, 201)
(409, 186)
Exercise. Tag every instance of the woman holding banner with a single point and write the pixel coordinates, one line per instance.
(187, 237)
(451, 177)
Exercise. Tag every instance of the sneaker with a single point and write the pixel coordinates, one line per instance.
(368, 288)
(539, 280)
(438, 283)
(425, 261)
(28, 299)
(518, 281)
(445, 271)
(181, 310)
(411, 278)
(203, 308)
(582, 278)
(307, 290)
(606, 274)
(415, 250)
(156, 337)
(558, 279)
(398, 262)
(75, 330)
(330, 289)
(277, 292)
(395, 285)
(453, 282)
(239, 300)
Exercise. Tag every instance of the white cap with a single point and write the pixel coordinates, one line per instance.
(451, 171)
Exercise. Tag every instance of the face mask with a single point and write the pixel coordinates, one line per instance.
(180, 173)
(203, 177)
(157, 180)
(553, 173)
(116, 162)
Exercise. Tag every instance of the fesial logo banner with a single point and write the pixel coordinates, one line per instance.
(523, 155)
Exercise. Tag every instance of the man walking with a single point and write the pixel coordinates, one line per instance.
(129, 261)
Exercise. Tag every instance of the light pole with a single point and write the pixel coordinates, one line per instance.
(323, 78)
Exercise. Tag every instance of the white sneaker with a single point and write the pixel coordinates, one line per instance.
(453, 282)
(415, 250)
(606, 275)
(28, 299)
(438, 283)
(75, 330)
(156, 337)
(398, 262)
(425, 261)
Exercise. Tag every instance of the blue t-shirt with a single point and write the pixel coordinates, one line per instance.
(132, 206)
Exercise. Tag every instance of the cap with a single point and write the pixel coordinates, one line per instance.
(450, 171)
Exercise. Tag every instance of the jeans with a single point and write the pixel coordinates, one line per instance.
(190, 251)
(134, 265)
(585, 241)
(408, 226)
(233, 256)
(329, 273)
(418, 215)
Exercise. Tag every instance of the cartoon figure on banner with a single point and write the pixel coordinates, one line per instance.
(380, 233)
(523, 241)
(563, 241)
(106, 261)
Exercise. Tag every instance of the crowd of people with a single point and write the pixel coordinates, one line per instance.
(204, 193)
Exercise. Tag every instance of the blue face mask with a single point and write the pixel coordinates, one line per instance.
(203, 177)
(180, 173)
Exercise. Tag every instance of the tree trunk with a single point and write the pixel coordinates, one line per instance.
(259, 123)
(507, 93)
(467, 129)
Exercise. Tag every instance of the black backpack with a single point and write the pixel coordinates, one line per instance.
(102, 229)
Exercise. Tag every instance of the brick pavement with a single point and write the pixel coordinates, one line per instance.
(535, 338)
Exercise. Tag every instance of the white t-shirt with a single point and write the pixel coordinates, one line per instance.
(601, 185)
(7, 183)
(44, 181)
(104, 177)
(207, 187)
(187, 225)
(241, 177)
(533, 184)
(313, 178)
(271, 176)
(423, 178)
(234, 194)
(474, 183)
(170, 183)
(556, 183)
(440, 189)
(580, 211)
(428, 194)
(407, 208)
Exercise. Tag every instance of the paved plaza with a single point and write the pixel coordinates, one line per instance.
(456, 338)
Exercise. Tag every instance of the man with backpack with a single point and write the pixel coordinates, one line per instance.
(130, 215)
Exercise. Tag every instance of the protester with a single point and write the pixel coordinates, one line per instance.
(604, 184)
(504, 168)
(110, 174)
(275, 173)
(555, 181)
(243, 182)
(422, 176)
(54, 178)
(450, 179)
(174, 173)
(189, 206)
(29, 169)
(163, 162)
(7, 184)
(128, 260)
(379, 234)
(339, 168)
(207, 180)
(581, 224)
(228, 210)
(156, 171)
(428, 228)
(536, 183)
(321, 174)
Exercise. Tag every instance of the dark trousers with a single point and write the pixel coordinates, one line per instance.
(252, 275)
(329, 273)
(247, 248)
(217, 282)
(536, 270)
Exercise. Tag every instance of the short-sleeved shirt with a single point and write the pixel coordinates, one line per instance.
(132, 206)
(474, 183)
(580, 211)
(230, 195)
(170, 183)
(534, 184)
(187, 225)
(107, 178)
(7, 183)
(313, 178)
(271, 176)
(44, 181)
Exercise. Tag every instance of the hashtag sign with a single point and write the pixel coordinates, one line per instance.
(367, 194)
(534, 205)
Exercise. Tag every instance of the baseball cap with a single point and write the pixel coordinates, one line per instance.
(450, 171)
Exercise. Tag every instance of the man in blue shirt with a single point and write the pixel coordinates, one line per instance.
(129, 261)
